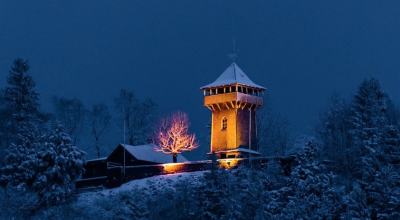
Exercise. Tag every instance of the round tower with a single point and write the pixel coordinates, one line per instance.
(233, 100)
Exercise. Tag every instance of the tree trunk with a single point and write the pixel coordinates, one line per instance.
(97, 147)
(175, 158)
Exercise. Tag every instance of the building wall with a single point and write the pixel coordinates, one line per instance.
(237, 132)
(223, 139)
(243, 128)
(95, 169)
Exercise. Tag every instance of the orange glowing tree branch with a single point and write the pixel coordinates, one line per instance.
(172, 135)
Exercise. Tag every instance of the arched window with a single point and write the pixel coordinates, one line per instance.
(224, 123)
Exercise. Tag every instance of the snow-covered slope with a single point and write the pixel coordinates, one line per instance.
(146, 186)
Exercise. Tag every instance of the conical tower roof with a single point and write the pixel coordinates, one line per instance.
(233, 75)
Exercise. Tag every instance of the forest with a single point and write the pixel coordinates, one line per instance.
(347, 169)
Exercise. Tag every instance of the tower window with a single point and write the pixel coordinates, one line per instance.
(220, 90)
(224, 123)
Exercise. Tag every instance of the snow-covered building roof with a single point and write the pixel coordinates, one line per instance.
(147, 153)
(239, 150)
(96, 159)
(233, 75)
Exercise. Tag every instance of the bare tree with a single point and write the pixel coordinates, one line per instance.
(274, 134)
(136, 115)
(71, 113)
(333, 131)
(172, 135)
(100, 119)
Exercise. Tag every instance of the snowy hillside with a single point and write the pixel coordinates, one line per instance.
(147, 186)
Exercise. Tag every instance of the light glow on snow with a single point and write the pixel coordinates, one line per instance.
(229, 163)
(172, 167)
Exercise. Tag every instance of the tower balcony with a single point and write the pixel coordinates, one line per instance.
(233, 99)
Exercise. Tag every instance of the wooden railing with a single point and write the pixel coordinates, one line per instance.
(233, 97)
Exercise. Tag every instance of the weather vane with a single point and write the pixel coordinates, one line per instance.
(235, 53)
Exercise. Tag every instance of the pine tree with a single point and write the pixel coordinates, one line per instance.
(22, 160)
(377, 148)
(5, 126)
(22, 155)
(212, 195)
(60, 166)
(314, 193)
(369, 115)
(20, 93)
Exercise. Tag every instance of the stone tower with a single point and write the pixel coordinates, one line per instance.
(233, 100)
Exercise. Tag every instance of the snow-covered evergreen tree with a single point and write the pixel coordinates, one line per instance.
(368, 117)
(60, 166)
(376, 143)
(21, 156)
(5, 126)
(22, 159)
(315, 195)
(20, 93)
(212, 195)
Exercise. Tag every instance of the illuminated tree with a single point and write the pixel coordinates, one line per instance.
(172, 135)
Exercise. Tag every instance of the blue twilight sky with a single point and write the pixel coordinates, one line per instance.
(301, 50)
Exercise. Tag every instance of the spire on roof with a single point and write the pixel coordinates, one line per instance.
(233, 75)
(235, 53)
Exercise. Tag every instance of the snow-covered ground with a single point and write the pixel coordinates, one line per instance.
(146, 185)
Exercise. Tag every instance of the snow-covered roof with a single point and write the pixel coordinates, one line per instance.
(147, 153)
(239, 150)
(232, 75)
(97, 159)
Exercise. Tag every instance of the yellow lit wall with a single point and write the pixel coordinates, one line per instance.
(237, 133)
(223, 139)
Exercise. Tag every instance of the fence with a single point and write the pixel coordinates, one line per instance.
(117, 175)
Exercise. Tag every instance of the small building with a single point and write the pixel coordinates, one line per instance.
(140, 155)
(96, 172)
(95, 168)
(233, 100)
(107, 171)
